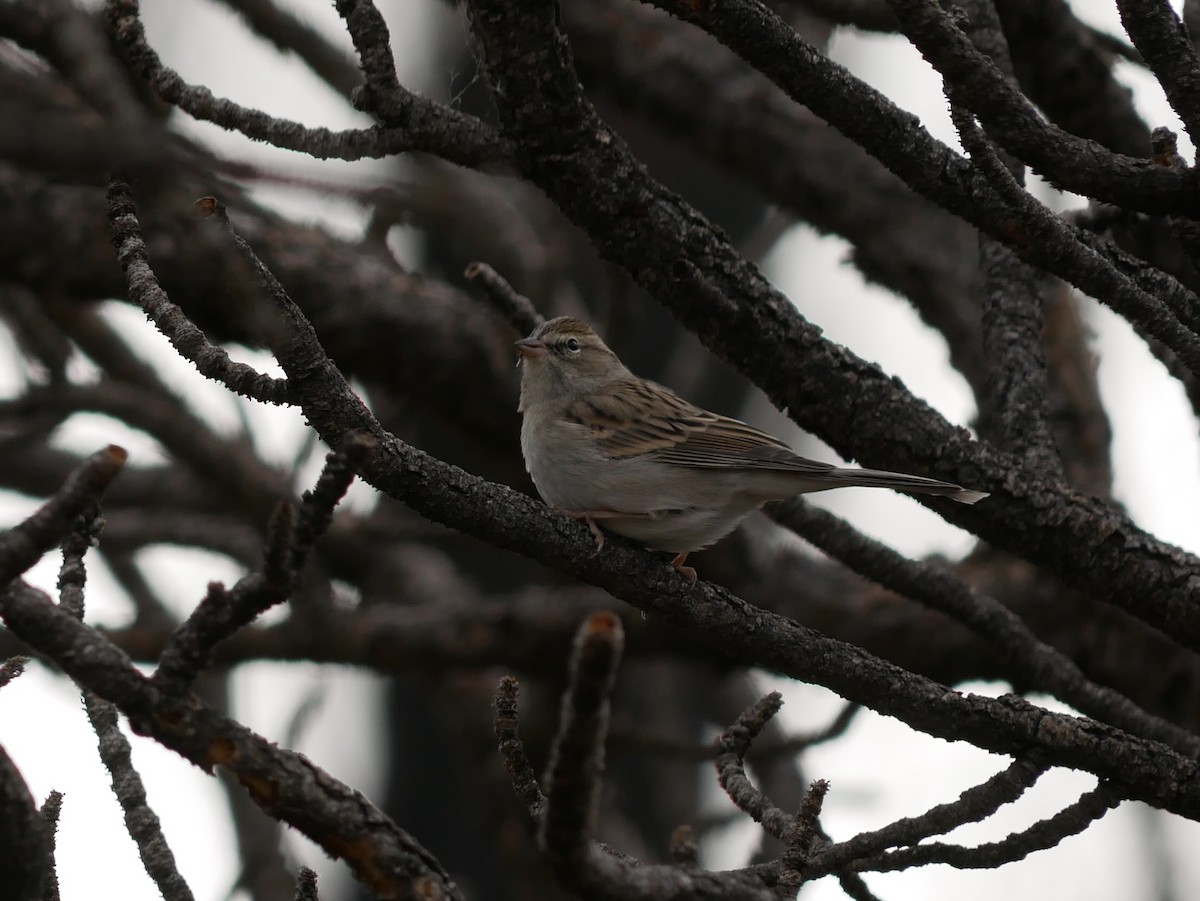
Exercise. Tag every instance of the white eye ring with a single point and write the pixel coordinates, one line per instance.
(573, 345)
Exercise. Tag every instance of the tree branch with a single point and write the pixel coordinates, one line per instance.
(284, 784)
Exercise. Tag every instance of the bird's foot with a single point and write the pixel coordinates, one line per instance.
(687, 571)
(589, 517)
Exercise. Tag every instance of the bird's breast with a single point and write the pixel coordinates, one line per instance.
(562, 460)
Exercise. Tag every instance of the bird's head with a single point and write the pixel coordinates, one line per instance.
(564, 360)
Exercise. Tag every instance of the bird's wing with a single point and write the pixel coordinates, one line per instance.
(636, 418)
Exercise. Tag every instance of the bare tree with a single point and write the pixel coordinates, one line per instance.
(613, 160)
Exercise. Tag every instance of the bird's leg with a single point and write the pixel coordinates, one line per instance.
(595, 530)
(590, 517)
(687, 571)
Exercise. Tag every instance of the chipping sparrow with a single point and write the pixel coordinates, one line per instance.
(605, 446)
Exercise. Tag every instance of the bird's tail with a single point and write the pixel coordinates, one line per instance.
(898, 481)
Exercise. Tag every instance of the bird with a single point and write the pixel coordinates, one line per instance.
(607, 447)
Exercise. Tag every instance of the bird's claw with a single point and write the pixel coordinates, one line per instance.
(595, 530)
(592, 527)
(687, 572)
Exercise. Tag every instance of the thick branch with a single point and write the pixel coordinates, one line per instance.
(1069, 162)
(572, 155)
(449, 495)
(1164, 44)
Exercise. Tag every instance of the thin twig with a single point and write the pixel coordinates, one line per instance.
(306, 885)
(683, 846)
(381, 94)
(577, 754)
(219, 614)
(731, 770)
(451, 134)
(1047, 833)
(141, 822)
(189, 341)
(11, 668)
(23, 545)
(290, 538)
(805, 830)
(516, 308)
(316, 506)
(49, 813)
(512, 750)
(974, 804)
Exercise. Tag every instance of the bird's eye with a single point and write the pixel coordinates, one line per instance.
(573, 345)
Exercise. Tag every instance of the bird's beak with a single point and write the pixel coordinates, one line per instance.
(532, 347)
